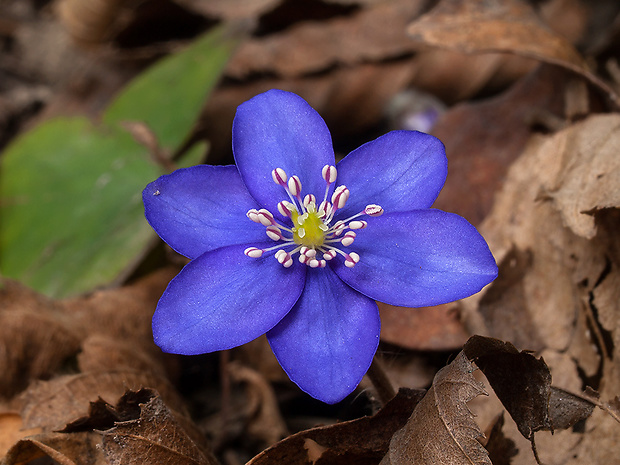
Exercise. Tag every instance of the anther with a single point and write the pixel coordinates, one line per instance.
(310, 253)
(286, 208)
(329, 173)
(373, 210)
(309, 199)
(351, 260)
(274, 233)
(253, 215)
(253, 252)
(329, 255)
(294, 186)
(279, 176)
(358, 224)
(340, 197)
(325, 208)
(347, 239)
(265, 217)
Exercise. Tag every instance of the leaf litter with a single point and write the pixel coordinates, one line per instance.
(533, 161)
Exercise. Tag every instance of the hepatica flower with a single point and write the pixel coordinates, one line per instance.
(290, 244)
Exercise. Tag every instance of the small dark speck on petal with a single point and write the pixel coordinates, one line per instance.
(156, 192)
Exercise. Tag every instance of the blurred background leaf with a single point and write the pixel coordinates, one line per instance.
(70, 190)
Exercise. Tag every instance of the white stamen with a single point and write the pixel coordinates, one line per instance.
(340, 197)
(279, 176)
(351, 260)
(325, 208)
(253, 215)
(310, 253)
(358, 224)
(348, 238)
(286, 208)
(265, 217)
(329, 174)
(309, 199)
(253, 252)
(373, 210)
(329, 255)
(294, 186)
(274, 233)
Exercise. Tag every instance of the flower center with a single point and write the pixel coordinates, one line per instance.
(308, 229)
(312, 233)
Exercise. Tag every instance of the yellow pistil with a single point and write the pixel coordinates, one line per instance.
(308, 229)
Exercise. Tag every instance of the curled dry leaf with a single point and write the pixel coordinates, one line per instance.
(441, 428)
(155, 437)
(500, 26)
(363, 441)
(521, 381)
(52, 404)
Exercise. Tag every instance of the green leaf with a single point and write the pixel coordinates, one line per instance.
(168, 97)
(71, 213)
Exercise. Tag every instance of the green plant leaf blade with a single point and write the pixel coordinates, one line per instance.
(169, 95)
(72, 214)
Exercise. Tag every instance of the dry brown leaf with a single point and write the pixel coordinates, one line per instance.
(264, 419)
(425, 328)
(52, 404)
(483, 138)
(501, 449)
(35, 338)
(155, 437)
(374, 33)
(566, 271)
(58, 448)
(11, 430)
(521, 381)
(441, 428)
(362, 442)
(230, 9)
(475, 26)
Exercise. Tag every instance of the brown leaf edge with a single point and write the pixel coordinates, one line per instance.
(361, 441)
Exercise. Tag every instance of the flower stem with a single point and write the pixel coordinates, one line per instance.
(379, 378)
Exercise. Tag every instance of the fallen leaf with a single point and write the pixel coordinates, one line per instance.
(340, 444)
(52, 404)
(441, 428)
(500, 26)
(521, 381)
(63, 449)
(425, 328)
(155, 437)
(35, 338)
(264, 420)
(566, 409)
(11, 431)
(501, 449)
(374, 33)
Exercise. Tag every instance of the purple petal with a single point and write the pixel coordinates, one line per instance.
(224, 299)
(201, 208)
(418, 259)
(401, 171)
(279, 129)
(327, 341)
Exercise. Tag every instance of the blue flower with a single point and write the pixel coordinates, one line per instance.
(279, 245)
